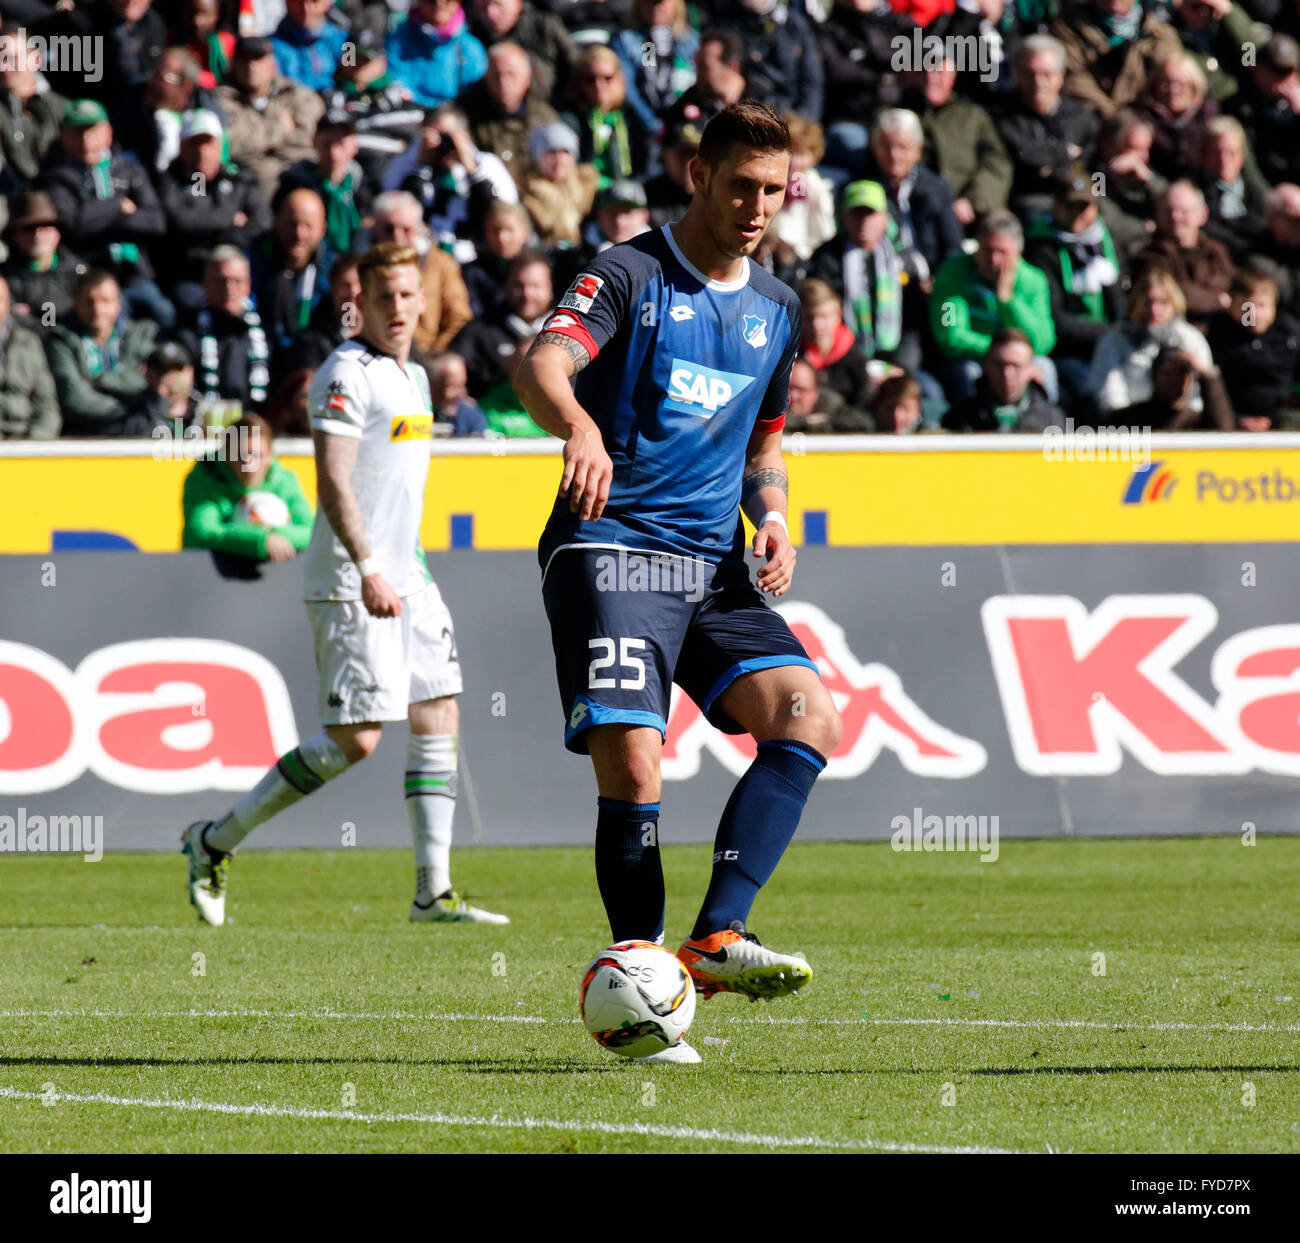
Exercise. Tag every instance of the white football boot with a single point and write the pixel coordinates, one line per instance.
(209, 872)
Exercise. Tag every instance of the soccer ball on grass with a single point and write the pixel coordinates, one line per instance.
(637, 998)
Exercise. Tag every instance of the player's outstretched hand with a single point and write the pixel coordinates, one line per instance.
(379, 597)
(772, 541)
(588, 472)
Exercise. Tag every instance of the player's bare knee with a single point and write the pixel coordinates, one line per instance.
(356, 744)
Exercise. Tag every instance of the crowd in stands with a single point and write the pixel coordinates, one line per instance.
(1002, 214)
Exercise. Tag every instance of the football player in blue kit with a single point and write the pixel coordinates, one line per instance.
(664, 370)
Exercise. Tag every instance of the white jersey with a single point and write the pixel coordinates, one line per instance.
(371, 397)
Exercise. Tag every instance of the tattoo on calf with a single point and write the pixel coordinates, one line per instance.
(571, 347)
(766, 477)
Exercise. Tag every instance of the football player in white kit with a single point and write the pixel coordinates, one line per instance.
(385, 645)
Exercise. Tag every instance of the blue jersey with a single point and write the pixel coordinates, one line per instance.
(683, 370)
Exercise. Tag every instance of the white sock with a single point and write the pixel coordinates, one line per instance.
(296, 774)
(431, 804)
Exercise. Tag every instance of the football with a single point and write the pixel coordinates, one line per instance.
(263, 509)
(637, 999)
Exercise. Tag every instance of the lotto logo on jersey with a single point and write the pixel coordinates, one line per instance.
(412, 427)
(694, 389)
(582, 293)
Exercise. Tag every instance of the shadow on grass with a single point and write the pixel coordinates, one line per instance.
(470, 1065)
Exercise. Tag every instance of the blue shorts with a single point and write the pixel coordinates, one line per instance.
(626, 625)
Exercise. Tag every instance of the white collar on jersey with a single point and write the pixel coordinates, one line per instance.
(721, 286)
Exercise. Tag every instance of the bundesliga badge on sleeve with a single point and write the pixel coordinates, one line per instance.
(582, 293)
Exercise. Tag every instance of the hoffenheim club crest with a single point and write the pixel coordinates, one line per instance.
(755, 330)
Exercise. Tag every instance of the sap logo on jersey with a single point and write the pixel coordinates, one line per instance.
(694, 389)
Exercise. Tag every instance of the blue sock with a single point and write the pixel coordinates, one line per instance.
(761, 817)
(628, 869)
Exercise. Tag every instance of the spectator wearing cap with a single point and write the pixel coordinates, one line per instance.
(97, 358)
(862, 266)
(558, 191)
(1044, 132)
(230, 210)
(669, 193)
(920, 201)
(1007, 395)
(453, 408)
(336, 176)
(655, 82)
(487, 344)
(1258, 352)
(1215, 31)
(29, 409)
(220, 515)
(29, 116)
(289, 269)
(107, 207)
(1233, 186)
(540, 33)
(1133, 187)
(719, 80)
(507, 230)
(453, 180)
(619, 215)
(817, 409)
(387, 115)
(270, 119)
(225, 336)
(446, 300)
(308, 44)
(975, 296)
(41, 271)
(782, 65)
(1111, 46)
(504, 108)
(610, 134)
(168, 404)
(857, 42)
(434, 54)
(1200, 265)
(828, 345)
(961, 143)
(1268, 107)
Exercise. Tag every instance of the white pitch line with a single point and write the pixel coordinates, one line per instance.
(1117, 1025)
(266, 1014)
(494, 1122)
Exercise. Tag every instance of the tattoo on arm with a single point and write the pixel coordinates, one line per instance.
(764, 477)
(571, 348)
(335, 458)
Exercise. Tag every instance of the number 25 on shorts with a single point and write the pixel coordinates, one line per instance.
(633, 682)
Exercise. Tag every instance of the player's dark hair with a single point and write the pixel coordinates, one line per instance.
(744, 124)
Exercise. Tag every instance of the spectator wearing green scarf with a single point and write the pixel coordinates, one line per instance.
(336, 176)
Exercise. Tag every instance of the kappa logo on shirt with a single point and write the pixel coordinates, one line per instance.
(336, 399)
(695, 389)
(582, 293)
(412, 427)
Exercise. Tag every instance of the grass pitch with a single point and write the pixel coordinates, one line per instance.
(956, 1005)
